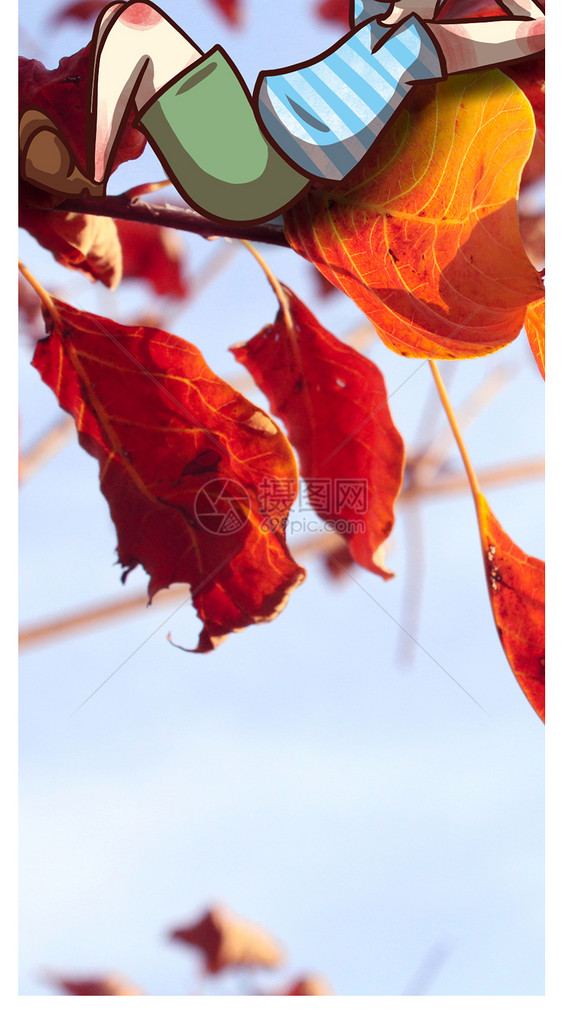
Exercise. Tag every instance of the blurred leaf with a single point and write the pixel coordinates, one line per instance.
(232, 10)
(155, 254)
(84, 10)
(309, 986)
(110, 985)
(226, 941)
(86, 243)
(333, 10)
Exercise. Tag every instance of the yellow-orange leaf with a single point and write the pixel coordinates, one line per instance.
(87, 243)
(226, 941)
(423, 235)
(534, 326)
(516, 589)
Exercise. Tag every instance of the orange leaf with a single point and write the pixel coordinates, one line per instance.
(87, 243)
(532, 229)
(516, 589)
(334, 404)
(182, 457)
(423, 235)
(226, 941)
(534, 326)
(312, 985)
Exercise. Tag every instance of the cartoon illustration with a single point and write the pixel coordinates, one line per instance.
(239, 158)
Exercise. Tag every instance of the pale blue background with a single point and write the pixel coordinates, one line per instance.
(366, 812)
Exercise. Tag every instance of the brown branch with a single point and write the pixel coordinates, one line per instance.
(174, 217)
(35, 634)
(45, 448)
(457, 482)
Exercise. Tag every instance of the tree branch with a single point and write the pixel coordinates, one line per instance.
(173, 217)
(34, 635)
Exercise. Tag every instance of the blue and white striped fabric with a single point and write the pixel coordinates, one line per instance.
(364, 10)
(325, 116)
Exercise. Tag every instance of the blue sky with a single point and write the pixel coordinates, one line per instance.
(365, 811)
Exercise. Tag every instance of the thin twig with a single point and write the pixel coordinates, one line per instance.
(275, 285)
(35, 634)
(44, 296)
(437, 451)
(457, 482)
(45, 448)
(449, 412)
(184, 219)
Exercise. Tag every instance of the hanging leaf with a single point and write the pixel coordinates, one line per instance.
(334, 404)
(534, 326)
(86, 243)
(226, 941)
(182, 460)
(423, 235)
(155, 254)
(516, 589)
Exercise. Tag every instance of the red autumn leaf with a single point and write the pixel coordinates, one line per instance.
(535, 165)
(182, 457)
(337, 562)
(29, 304)
(87, 243)
(529, 75)
(324, 287)
(452, 10)
(423, 235)
(333, 10)
(84, 10)
(62, 94)
(461, 10)
(227, 941)
(516, 589)
(534, 326)
(311, 985)
(532, 229)
(232, 10)
(155, 254)
(334, 404)
(109, 985)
